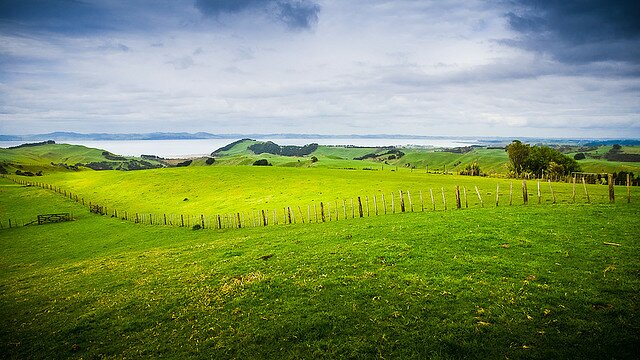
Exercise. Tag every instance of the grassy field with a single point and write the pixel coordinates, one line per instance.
(507, 282)
(210, 191)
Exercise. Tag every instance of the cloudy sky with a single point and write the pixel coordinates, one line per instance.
(417, 67)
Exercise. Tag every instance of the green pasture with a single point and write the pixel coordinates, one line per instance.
(527, 282)
(215, 190)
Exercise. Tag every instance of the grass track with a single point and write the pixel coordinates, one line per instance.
(516, 282)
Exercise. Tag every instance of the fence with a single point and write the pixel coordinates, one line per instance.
(356, 207)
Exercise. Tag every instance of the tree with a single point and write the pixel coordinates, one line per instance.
(518, 154)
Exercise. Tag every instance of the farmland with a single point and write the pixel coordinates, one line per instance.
(550, 280)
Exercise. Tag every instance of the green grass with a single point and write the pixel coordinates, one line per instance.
(214, 190)
(508, 282)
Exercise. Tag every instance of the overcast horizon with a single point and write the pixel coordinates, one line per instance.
(503, 68)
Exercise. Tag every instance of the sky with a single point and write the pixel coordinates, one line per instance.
(543, 68)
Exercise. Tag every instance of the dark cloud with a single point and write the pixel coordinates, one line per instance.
(65, 16)
(579, 31)
(295, 14)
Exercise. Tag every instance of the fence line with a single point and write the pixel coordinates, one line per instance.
(328, 211)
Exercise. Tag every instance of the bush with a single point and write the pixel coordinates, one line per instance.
(579, 156)
(184, 163)
(261, 162)
(210, 161)
(196, 227)
(314, 159)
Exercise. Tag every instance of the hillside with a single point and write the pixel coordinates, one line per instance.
(51, 157)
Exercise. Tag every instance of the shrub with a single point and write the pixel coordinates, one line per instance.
(210, 161)
(579, 156)
(314, 159)
(261, 162)
(197, 227)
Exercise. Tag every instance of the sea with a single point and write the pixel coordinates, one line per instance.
(202, 147)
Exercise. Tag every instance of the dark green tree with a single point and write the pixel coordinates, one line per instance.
(518, 154)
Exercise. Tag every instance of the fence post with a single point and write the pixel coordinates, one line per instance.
(329, 211)
(539, 194)
(628, 188)
(573, 195)
(375, 204)
(444, 200)
(165, 219)
(433, 201)
(393, 204)
(401, 201)
(410, 202)
(384, 204)
(366, 198)
(315, 211)
(553, 196)
(584, 184)
(289, 214)
(322, 212)
(360, 207)
(525, 194)
(239, 222)
(421, 202)
(353, 210)
(497, 194)
(219, 222)
(479, 197)
(458, 202)
(337, 210)
(202, 220)
(264, 218)
(344, 208)
(612, 196)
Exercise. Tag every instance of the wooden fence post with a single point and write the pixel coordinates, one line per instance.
(239, 222)
(444, 199)
(353, 210)
(628, 188)
(264, 219)
(360, 207)
(525, 194)
(165, 219)
(344, 208)
(375, 204)
(421, 202)
(384, 204)
(433, 200)
(202, 220)
(367, 202)
(464, 193)
(458, 202)
(315, 211)
(539, 194)
(573, 195)
(329, 211)
(401, 201)
(584, 185)
(393, 204)
(301, 214)
(322, 212)
(289, 214)
(612, 196)
(410, 202)
(553, 196)
(336, 207)
(219, 222)
(510, 193)
(479, 197)
(497, 194)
